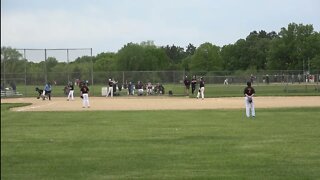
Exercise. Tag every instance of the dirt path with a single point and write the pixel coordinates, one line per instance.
(160, 103)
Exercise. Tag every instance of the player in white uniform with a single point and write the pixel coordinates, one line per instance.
(201, 89)
(85, 96)
(110, 88)
(249, 93)
(149, 88)
(71, 91)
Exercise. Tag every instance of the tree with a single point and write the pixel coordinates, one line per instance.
(294, 48)
(250, 53)
(131, 58)
(234, 56)
(12, 61)
(176, 54)
(134, 57)
(191, 49)
(156, 58)
(51, 62)
(105, 62)
(257, 47)
(207, 57)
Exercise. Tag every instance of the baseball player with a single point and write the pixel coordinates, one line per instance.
(193, 84)
(149, 88)
(201, 89)
(131, 88)
(47, 90)
(187, 85)
(71, 90)
(110, 89)
(85, 96)
(140, 88)
(249, 93)
(40, 94)
(226, 81)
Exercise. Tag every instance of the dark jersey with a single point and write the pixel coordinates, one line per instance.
(193, 82)
(110, 84)
(249, 91)
(84, 89)
(187, 82)
(40, 91)
(201, 83)
(71, 87)
(140, 86)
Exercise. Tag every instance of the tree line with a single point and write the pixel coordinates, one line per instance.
(296, 47)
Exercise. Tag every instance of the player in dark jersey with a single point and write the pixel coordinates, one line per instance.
(249, 93)
(193, 84)
(40, 94)
(187, 85)
(85, 96)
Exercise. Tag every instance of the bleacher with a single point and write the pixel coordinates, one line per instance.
(9, 93)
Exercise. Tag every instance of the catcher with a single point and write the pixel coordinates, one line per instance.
(40, 94)
(249, 93)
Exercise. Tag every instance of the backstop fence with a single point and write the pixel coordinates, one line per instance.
(24, 83)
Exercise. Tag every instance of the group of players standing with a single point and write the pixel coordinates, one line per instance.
(113, 87)
(249, 91)
(193, 84)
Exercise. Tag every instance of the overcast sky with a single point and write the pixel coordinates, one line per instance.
(107, 25)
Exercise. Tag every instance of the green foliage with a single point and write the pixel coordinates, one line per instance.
(315, 62)
(296, 47)
(12, 61)
(105, 62)
(207, 57)
(51, 62)
(134, 57)
(175, 54)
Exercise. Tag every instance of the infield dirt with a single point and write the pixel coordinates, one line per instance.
(160, 103)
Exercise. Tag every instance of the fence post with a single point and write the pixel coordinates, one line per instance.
(68, 65)
(92, 71)
(45, 66)
(25, 72)
(318, 79)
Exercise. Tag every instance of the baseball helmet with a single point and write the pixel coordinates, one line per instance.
(248, 83)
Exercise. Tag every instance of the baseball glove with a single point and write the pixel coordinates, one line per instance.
(249, 99)
(81, 97)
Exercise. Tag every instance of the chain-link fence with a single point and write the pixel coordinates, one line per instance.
(35, 70)
(23, 84)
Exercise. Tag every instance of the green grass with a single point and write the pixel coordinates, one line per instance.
(203, 144)
(212, 90)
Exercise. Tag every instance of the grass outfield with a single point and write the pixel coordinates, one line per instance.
(202, 144)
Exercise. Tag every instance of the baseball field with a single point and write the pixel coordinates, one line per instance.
(160, 138)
